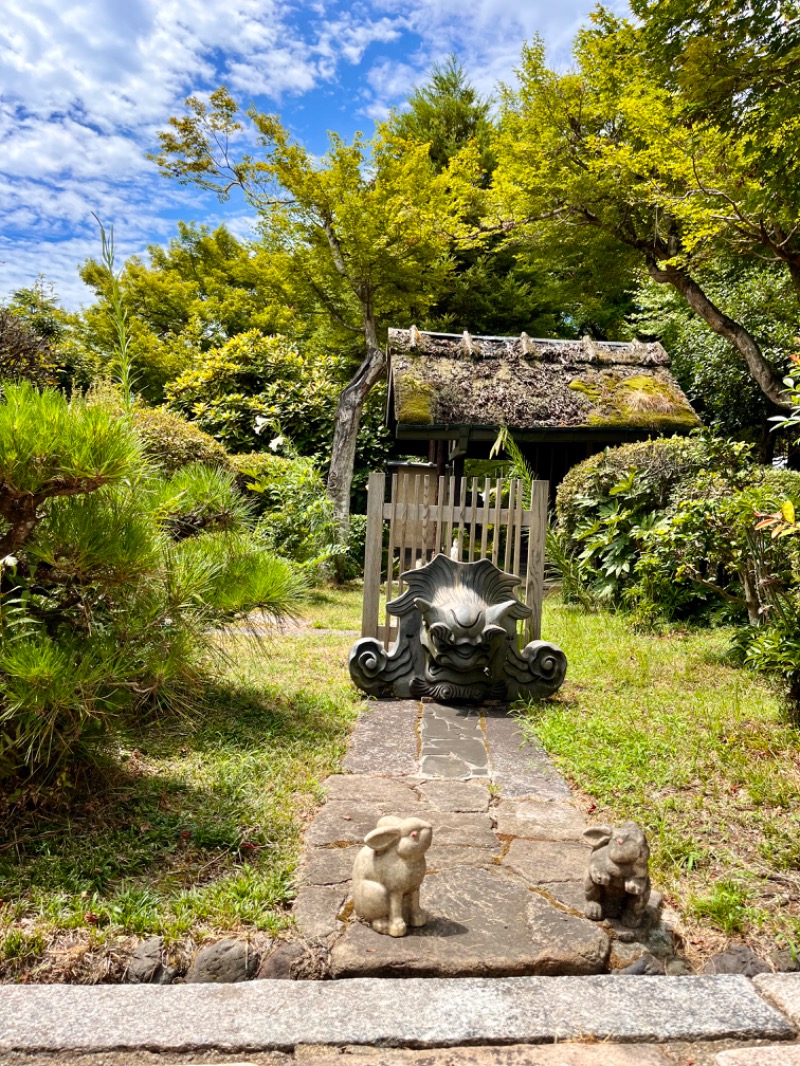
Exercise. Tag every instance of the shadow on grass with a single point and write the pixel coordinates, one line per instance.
(218, 796)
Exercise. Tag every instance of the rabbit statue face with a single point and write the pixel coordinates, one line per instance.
(628, 845)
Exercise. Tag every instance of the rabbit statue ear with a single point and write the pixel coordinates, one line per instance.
(382, 838)
(598, 835)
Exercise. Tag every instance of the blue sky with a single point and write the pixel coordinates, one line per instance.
(87, 85)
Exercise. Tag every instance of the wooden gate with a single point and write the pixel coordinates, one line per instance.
(465, 518)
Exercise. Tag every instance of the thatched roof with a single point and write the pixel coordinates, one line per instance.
(439, 380)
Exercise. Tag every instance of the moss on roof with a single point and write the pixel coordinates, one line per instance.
(444, 379)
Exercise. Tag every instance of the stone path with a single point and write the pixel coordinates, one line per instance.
(504, 893)
(503, 888)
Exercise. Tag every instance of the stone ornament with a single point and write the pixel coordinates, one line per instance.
(457, 640)
(617, 882)
(388, 872)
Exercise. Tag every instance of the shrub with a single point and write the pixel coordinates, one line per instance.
(658, 465)
(25, 355)
(255, 381)
(201, 499)
(103, 612)
(170, 442)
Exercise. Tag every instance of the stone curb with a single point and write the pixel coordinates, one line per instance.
(411, 1012)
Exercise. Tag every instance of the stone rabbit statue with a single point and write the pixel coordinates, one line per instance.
(617, 882)
(388, 872)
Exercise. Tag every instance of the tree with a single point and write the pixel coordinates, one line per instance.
(447, 114)
(200, 291)
(500, 286)
(112, 579)
(613, 148)
(361, 235)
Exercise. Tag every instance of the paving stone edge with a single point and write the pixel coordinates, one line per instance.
(411, 1013)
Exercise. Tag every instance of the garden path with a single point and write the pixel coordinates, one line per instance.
(504, 884)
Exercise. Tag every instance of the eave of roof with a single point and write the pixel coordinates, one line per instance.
(443, 384)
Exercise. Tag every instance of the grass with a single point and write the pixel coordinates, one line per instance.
(196, 835)
(661, 729)
(196, 832)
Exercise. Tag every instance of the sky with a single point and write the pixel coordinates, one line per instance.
(86, 86)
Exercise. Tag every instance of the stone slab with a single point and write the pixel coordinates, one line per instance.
(542, 861)
(362, 788)
(782, 989)
(483, 922)
(760, 1056)
(560, 1054)
(328, 866)
(519, 768)
(384, 737)
(457, 796)
(316, 907)
(535, 819)
(266, 1015)
(445, 857)
(348, 823)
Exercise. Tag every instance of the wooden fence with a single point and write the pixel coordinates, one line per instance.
(465, 518)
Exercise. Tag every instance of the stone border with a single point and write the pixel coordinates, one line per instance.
(412, 1013)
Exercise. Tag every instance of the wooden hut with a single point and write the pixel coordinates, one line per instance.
(563, 400)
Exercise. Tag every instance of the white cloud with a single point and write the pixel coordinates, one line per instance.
(86, 84)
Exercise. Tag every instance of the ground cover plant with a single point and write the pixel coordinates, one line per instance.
(664, 729)
(194, 833)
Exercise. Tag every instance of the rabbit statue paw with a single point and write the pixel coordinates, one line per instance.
(388, 872)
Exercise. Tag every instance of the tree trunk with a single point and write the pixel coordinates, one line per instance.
(343, 449)
(743, 341)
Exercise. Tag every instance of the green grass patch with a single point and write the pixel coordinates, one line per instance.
(661, 729)
(198, 833)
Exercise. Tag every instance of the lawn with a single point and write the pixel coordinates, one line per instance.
(197, 834)
(664, 730)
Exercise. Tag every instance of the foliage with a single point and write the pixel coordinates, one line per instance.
(201, 824)
(612, 147)
(717, 383)
(696, 750)
(446, 114)
(243, 391)
(689, 530)
(362, 235)
(51, 448)
(296, 518)
(171, 442)
(102, 613)
(196, 293)
(659, 464)
(25, 355)
(201, 499)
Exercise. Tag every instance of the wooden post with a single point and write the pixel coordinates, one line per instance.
(534, 583)
(376, 486)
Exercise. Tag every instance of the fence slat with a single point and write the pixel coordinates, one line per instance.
(473, 522)
(487, 510)
(512, 488)
(462, 514)
(447, 539)
(498, 519)
(438, 545)
(517, 560)
(370, 611)
(535, 575)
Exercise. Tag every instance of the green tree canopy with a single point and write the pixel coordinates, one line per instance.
(612, 148)
(362, 235)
